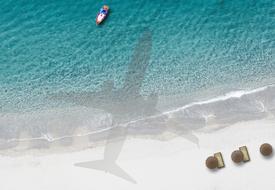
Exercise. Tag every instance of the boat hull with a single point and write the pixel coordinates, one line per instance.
(100, 19)
(102, 16)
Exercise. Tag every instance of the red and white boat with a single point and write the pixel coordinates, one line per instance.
(102, 15)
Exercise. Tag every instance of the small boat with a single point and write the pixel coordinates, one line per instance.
(102, 15)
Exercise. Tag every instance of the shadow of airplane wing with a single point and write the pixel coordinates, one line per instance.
(118, 133)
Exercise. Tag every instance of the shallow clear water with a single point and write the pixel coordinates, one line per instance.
(54, 58)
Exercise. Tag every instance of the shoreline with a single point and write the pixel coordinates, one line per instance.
(150, 163)
(220, 111)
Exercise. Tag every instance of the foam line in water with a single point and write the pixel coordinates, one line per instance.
(233, 94)
(232, 107)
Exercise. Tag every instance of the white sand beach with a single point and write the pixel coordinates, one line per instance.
(153, 164)
(140, 101)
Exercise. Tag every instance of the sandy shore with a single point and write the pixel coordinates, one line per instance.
(153, 164)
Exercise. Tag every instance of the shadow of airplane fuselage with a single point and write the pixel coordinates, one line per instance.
(124, 104)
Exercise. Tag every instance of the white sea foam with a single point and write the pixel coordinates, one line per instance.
(50, 126)
(227, 96)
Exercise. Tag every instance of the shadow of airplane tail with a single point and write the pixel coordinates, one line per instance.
(107, 166)
(117, 135)
(116, 139)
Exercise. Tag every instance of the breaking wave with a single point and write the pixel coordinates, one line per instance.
(47, 128)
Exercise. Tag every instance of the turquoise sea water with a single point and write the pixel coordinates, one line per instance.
(199, 48)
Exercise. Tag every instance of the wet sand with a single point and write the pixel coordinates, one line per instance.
(153, 164)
